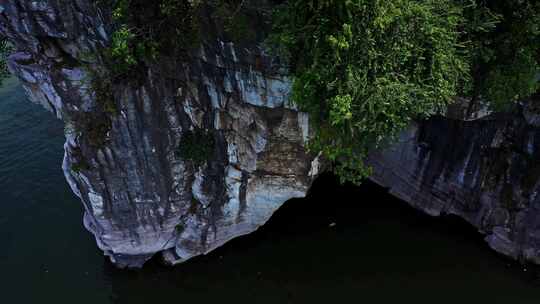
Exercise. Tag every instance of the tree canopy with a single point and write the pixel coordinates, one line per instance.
(368, 67)
(505, 54)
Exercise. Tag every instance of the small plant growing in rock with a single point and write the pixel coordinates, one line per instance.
(93, 126)
(79, 161)
(197, 146)
(102, 86)
(194, 205)
(179, 228)
(80, 166)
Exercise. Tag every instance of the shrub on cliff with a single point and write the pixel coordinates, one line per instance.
(197, 146)
(368, 67)
(505, 56)
(149, 29)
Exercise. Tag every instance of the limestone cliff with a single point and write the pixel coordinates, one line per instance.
(142, 198)
(486, 171)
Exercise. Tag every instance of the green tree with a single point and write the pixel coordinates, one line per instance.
(146, 29)
(504, 54)
(368, 67)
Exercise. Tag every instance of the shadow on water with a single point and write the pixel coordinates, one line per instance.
(379, 250)
(341, 244)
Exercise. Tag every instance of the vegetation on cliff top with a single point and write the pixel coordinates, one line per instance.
(368, 67)
(197, 146)
(147, 30)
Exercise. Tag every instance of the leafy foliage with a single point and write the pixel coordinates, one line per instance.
(504, 55)
(363, 69)
(197, 146)
(149, 28)
(368, 68)
(145, 31)
(233, 17)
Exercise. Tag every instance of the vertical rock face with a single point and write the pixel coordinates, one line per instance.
(486, 171)
(141, 197)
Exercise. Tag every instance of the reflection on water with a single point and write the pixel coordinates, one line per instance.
(379, 251)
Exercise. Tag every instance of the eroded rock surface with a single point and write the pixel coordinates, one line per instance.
(486, 171)
(140, 196)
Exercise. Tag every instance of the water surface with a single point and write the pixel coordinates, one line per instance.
(379, 251)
